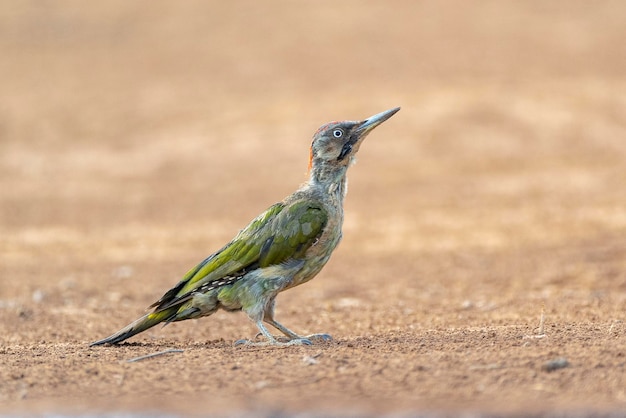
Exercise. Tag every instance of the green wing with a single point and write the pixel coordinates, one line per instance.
(281, 233)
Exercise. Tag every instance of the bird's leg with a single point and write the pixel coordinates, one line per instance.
(293, 336)
(266, 313)
(289, 333)
(269, 318)
(271, 341)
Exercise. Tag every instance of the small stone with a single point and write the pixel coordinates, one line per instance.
(555, 364)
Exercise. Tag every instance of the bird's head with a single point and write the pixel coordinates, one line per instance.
(336, 143)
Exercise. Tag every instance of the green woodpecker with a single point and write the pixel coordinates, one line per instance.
(285, 246)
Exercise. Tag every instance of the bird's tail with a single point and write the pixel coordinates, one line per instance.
(141, 324)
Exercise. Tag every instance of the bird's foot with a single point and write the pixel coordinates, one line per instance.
(280, 338)
(273, 343)
(319, 338)
(282, 341)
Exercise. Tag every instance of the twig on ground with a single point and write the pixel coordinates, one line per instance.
(542, 320)
(615, 321)
(160, 353)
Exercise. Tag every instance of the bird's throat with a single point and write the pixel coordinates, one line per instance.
(338, 191)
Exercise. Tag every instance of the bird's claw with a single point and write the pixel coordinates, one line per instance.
(299, 341)
(275, 343)
(322, 338)
(242, 342)
(280, 338)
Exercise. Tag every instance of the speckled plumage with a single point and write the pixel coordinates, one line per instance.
(285, 246)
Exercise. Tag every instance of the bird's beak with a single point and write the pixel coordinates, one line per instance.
(352, 146)
(370, 123)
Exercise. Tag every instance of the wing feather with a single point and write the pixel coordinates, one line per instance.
(279, 234)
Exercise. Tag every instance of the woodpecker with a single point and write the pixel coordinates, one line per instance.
(285, 246)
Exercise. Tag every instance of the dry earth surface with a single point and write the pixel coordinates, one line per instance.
(138, 137)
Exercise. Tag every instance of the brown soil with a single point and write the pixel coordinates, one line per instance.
(136, 138)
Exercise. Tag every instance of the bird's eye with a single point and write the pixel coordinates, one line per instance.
(337, 133)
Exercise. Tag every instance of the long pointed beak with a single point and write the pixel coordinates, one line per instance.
(370, 123)
(352, 146)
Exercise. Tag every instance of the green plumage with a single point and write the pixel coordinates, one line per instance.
(279, 234)
(285, 246)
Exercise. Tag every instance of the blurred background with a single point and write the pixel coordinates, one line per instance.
(138, 137)
(154, 113)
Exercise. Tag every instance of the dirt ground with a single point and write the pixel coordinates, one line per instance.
(483, 265)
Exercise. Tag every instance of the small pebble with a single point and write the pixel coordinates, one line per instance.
(555, 364)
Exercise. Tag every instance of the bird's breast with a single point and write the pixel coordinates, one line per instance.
(319, 253)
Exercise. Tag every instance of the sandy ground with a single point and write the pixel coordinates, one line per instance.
(138, 137)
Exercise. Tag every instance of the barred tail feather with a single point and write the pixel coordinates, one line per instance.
(140, 325)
